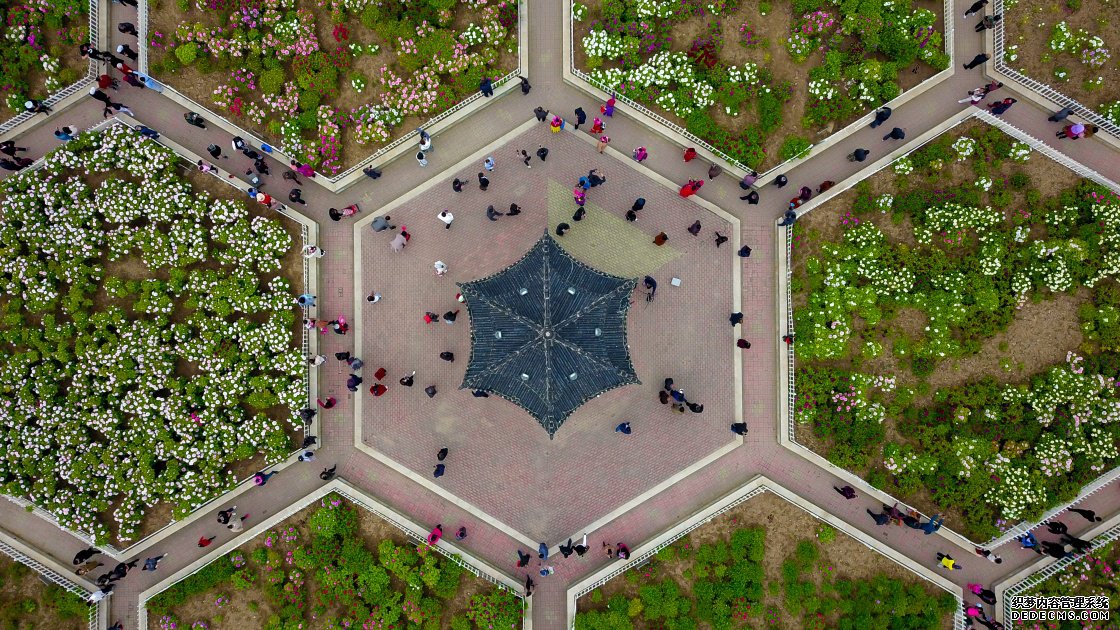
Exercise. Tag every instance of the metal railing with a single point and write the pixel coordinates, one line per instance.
(1035, 579)
(53, 576)
(640, 560)
(82, 535)
(791, 395)
(1043, 89)
(66, 92)
(644, 557)
(1054, 155)
(142, 17)
(694, 139)
(1047, 150)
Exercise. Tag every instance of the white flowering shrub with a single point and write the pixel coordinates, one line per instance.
(149, 343)
(915, 298)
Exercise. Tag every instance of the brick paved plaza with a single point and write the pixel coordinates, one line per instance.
(506, 480)
(501, 460)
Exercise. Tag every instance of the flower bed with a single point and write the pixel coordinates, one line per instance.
(333, 566)
(740, 570)
(1093, 574)
(148, 336)
(39, 52)
(332, 81)
(759, 82)
(957, 324)
(1076, 59)
(27, 602)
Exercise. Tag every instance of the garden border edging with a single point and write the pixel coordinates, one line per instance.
(753, 487)
(346, 490)
(680, 136)
(380, 157)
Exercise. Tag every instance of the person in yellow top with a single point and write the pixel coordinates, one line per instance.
(948, 562)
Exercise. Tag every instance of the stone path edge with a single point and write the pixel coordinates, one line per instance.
(750, 489)
(344, 488)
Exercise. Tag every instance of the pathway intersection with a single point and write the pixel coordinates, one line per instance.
(493, 494)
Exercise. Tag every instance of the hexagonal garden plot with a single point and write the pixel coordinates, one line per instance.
(500, 460)
(760, 82)
(331, 81)
(330, 565)
(725, 572)
(151, 352)
(1076, 59)
(956, 322)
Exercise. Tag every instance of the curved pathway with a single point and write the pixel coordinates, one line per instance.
(759, 454)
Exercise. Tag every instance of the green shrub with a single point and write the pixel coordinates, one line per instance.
(184, 5)
(794, 147)
(1073, 4)
(187, 53)
(272, 80)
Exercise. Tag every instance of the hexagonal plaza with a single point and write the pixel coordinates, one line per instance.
(500, 461)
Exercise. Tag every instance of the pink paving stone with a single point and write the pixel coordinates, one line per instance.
(501, 460)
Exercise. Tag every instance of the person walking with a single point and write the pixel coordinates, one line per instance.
(1056, 527)
(328, 403)
(720, 239)
(447, 218)
(440, 267)
(1028, 541)
(858, 155)
(976, 7)
(486, 86)
(36, 106)
(425, 140)
(607, 109)
(488, 164)
(261, 478)
(988, 22)
(714, 171)
(975, 95)
(1061, 114)
(295, 195)
(933, 525)
(238, 524)
(204, 541)
(751, 197)
(457, 184)
(151, 564)
(880, 518)
(881, 116)
(438, 470)
(381, 223)
(1073, 131)
(640, 155)
(542, 153)
(306, 300)
(948, 562)
(988, 555)
(541, 113)
(581, 117)
(421, 159)
(127, 51)
(1055, 550)
(623, 428)
(977, 60)
(525, 157)
(493, 214)
(128, 28)
(694, 229)
(897, 133)
(691, 188)
(225, 515)
(483, 182)
(1002, 106)
(66, 133)
(597, 126)
(847, 492)
(1088, 515)
(602, 144)
(86, 554)
(328, 473)
(460, 533)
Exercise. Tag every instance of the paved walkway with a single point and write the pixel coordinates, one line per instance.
(759, 452)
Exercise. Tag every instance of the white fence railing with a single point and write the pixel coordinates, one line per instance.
(697, 141)
(142, 17)
(1054, 155)
(1038, 577)
(1000, 36)
(53, 576)
(73, 88)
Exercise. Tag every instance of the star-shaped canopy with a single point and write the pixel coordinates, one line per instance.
(549, 333)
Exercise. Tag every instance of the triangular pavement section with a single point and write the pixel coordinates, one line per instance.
(603, 239)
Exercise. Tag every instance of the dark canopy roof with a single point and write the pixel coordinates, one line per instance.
(548, 333)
